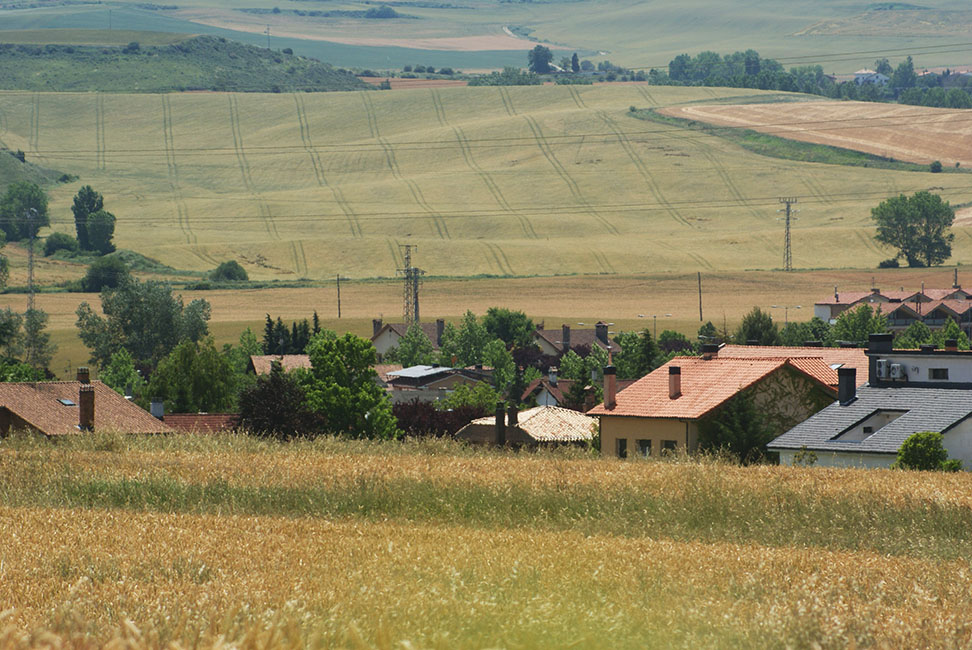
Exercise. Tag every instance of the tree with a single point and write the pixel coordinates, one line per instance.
(35, 343)
(121, 376)
(194, 378)
(480, 396)
(709, 334)
(574, 63)
(101, 229)
(464, 346)
(229, 271)
(882, 66)
(414, 348)
(23, 211)
(856, 325)
(672, 342)
(540, 58)
(639, 354)
(341, 387)
(917, 226)
(904, 76)
(87, 201)
(796, 333)
(757, 326)
(738, 427)
(512, 327)
(105, 273)
(10, 324)
(275, 406)
(924, 451)
(59, 241)
(142, 317)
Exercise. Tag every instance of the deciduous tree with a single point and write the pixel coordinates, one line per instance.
(101, 229)
(539, 59)
(918, 226)
(23, 210)
(87, 201)
(194, 378)
(856, 325)
(757, 326)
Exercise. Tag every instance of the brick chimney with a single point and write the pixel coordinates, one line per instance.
(951, 345)
(565, 338)
(439, 328)
(86, 407)
(610, 387)
(84, 375)
(710, 351)
(500, 423)
(601, 332)
(375, 326)
(846, 385)
(674, 382)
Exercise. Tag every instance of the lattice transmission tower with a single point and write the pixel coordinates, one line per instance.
(787, 253)
(413, 281)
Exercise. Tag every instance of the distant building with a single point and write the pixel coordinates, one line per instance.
(539, 426)
(865, 76)
(558, 341)
(907, 391)
(431, 383)
(386, 336)
(933, 307)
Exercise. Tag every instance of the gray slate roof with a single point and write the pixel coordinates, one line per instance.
(928, 409)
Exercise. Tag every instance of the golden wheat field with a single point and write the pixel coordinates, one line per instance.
(225, 541)
(504, 181)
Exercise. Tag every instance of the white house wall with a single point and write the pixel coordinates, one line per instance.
(958, 442)
(386, 341)
(842, 459)
(917, 366)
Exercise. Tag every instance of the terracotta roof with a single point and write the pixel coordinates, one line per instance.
(706, 385)
(202, 422)
(578, 338)
(401, 329)
(38, 405)
(562, 387)
(903, 295)
(891, 308)
(957, 307)
(547, 424)
(384, 368)
(832, 357)
(943, 294)
(848, 298)
(261, 362)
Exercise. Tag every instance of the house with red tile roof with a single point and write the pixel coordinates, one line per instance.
(551, 390)
(202, 423)
(538, 426)
(386, 336)
(665, 409)
(558, 341)
(57, 408)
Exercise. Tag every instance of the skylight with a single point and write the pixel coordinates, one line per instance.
(66, 402)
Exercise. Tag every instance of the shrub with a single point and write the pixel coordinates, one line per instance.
(935, 167)
(889, 263)
(447, 71)
(60, 241)
(229, 271)
(407, 68)
(924, 451)
(287, 51)
(104, 273)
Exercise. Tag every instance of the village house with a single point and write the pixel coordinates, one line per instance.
(557, 342)
(907, 391)
(903, 307)
(550, 390)
(431, 383)
(261, 364)
(865, 76)
(55, 408)
(386, 336)
(534, 427)
(664, 410)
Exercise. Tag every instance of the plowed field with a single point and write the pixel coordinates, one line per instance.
(910, 133)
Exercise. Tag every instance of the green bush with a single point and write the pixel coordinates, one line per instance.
(925, 451)
(60, 241)
(935, 167)
(229, 271)
(105, 272)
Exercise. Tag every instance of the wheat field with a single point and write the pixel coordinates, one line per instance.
(215, 541)
(502, 181)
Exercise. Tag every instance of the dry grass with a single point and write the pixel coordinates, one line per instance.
(73, 577)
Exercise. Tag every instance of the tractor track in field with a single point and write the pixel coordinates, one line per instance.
(439, 108)
(647, 95)
(33, 140)
(816, 189)
(727, 181)
(642, 168)
(572, 186)
(297, 252)
(499, 257)
(305, 136)
(491, 185)
(576, 97)
(265, 214)
(507, 101)
(603, 261)
(438, 222)
(168, 139)
(100, 130)
(698, 258)
(395, 253)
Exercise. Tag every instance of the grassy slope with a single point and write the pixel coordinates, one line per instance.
(366, 545)
(521, 181)
(201, 63)
(12, 170)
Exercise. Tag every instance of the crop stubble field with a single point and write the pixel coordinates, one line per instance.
(502, 181)
(341, 544)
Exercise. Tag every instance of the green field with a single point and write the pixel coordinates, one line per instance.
(503, 181)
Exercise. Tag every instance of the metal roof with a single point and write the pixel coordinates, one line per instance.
(417, 372)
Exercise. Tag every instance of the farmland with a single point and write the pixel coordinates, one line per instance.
(498, 181)
(344, 544)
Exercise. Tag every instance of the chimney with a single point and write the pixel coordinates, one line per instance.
(157, 409)
(674, 382)
(86, 410)
(752, 341)
(601, 332)
(500, 423)
(552, 375)
(565, 338)
(836, 295)
(846, 385)
(710, 351)
(610, 387)
(512, 419)
(955, 284)
(880, 343)
(375, 326)
(927, 348)
(951, 345)
(84, 375)
(813, 344)
(439, 328)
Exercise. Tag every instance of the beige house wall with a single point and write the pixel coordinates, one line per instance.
(656, 430)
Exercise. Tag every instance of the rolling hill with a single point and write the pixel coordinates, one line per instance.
(502, 181)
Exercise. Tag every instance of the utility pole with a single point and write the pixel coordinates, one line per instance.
(267, 32)
(31, 215)
(700, 296)
(413, 280)
(787, 254)
(339, 278)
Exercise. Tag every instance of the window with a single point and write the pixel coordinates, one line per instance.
(868, 430)
(938, 373)
(668, 447)
(644, 448)
(622, 447)
(66, 402)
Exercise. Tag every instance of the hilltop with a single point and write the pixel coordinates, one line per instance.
(195, 63)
